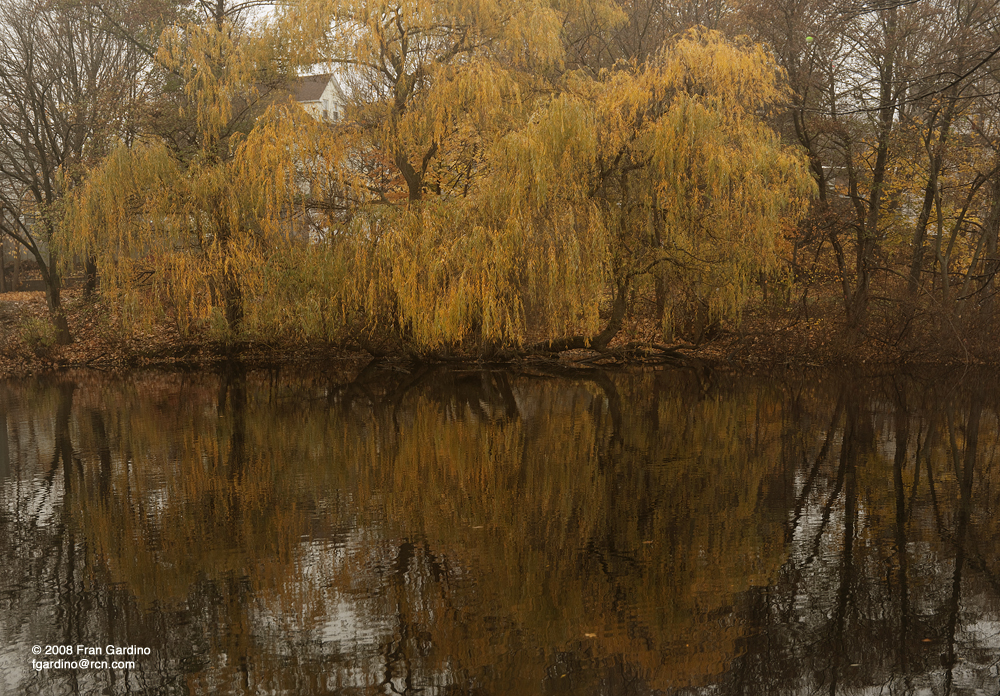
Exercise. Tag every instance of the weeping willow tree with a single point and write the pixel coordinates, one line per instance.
(165, 215)
(539, 205)
(515, 199)
(478, 195)
(661, 173)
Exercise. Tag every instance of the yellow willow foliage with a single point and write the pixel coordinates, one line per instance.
(183, 231)
(420, 72)
(427, 33)
(169, 236)
(446, 284)
(287, 153)
(442, 271)
(530, 197)
(134, 213)
(222, 67)
(672, 161)
(444, 278)
(481, 94)
(664, 168)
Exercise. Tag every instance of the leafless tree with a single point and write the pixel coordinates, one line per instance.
(68, 89)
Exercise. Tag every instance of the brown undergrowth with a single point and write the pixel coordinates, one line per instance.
(27, 345)
(767, 334)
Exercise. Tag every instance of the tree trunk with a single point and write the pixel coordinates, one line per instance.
(90, 285)
(232, 296)
(53, 294)
(868, 212)
(414, 183)
(228, 284)
(991, 233)
(661, 302)
(931, 191)
(54, 300)
(599, 342)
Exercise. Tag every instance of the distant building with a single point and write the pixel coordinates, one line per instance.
(321, 96)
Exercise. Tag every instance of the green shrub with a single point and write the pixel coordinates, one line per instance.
(39, 335)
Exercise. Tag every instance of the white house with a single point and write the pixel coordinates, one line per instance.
(321, 96)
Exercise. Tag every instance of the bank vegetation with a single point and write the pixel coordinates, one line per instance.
(810, 180)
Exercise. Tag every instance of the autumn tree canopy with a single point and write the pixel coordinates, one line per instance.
(68, 91)
(508, 175)
(165, 212)
(895, 104)
(486, 191)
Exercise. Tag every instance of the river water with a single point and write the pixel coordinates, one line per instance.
(445, 532)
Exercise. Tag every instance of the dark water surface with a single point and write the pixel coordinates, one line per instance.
(446, 532)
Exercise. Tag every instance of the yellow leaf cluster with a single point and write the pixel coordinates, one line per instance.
(477, 194)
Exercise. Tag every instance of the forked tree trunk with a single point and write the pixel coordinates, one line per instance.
(931, 193)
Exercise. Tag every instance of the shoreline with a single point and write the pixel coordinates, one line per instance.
(760, 343)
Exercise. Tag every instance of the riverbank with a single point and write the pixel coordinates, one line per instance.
(767, 336)
(27, 347)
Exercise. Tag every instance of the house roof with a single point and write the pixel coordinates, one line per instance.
(311, 87)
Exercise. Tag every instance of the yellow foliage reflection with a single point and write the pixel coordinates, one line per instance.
(490, 531)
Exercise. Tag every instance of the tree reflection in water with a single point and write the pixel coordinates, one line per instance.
(488, 532)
